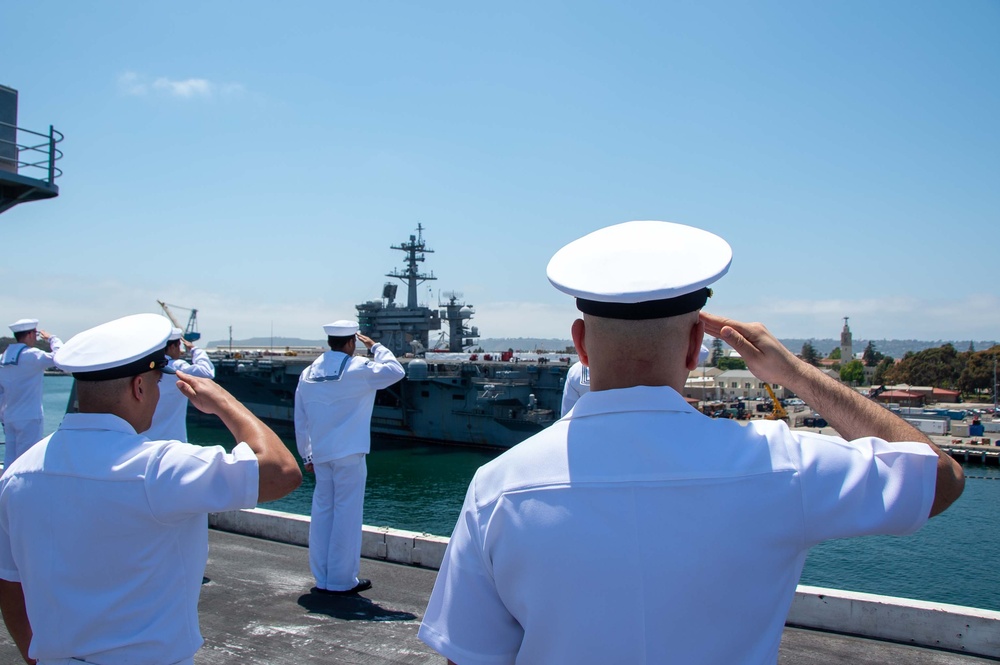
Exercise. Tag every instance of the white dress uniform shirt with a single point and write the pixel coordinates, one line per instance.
(132, 515)
(21, 372)
(170, 418)
(638, 530)
(577, 383)
(334, 402)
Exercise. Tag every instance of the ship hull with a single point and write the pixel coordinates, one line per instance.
(490, 404)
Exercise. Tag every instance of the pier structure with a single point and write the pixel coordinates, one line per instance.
(257, 608)
(27, 158)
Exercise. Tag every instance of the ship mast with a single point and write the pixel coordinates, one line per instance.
(415, 250)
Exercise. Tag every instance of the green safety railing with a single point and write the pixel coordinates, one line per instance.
(32, 159)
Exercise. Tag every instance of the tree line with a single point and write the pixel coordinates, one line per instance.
(970, 372)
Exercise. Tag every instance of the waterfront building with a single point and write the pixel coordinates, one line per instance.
(742, 384)
(702, 385)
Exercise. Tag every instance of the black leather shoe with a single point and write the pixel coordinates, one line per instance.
(362, 585)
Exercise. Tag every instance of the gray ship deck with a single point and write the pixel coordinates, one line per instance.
(256, 609)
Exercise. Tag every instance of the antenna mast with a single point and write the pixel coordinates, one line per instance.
(415, 250)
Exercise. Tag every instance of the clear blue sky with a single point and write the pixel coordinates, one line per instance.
(256, 160)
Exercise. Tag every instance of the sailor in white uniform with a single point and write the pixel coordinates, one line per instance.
(333, 412)
(638, 530)
(577, 384)
(170, 419)
(22, 367)
(104, 533)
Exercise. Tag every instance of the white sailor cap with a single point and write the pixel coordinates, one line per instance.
(175, 334)
(124, 347)
(641, 270)
(23, 325)
(342, 328)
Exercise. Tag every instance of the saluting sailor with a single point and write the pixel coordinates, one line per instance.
(638, 530)
(170, 418)
(577, 384)
(22, 367)
(333, 412)
(103, 532)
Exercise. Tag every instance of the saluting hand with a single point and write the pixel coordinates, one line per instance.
(367, 341)
(765, 356)
(206, 395)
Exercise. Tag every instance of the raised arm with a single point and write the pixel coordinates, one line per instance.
(848, 412)
(15, 615)
(386, 370)
(200, 365)
(279, 474)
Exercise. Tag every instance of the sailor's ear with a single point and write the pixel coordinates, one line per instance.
(136, 387)
(579, 331)
(695, 337)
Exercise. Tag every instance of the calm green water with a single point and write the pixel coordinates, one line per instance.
(421, 488)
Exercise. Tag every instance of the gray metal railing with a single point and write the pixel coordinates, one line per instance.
(32, 157)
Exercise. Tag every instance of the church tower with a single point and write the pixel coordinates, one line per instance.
(846, 349)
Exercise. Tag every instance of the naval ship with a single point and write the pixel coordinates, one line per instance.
(448, 395)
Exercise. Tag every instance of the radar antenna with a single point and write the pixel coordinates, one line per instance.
(415, 250)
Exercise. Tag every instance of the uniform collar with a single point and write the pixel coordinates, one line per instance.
(96, 421)
(12, 353)
(637, 398)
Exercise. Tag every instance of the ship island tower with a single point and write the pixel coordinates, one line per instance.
(406, 329)
(846, 346)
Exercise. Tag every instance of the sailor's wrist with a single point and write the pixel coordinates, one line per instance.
(308, 459)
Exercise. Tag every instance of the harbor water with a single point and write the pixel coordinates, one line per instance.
(421, 488)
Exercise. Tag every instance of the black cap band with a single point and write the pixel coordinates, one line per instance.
(155, 360)
(649, 309)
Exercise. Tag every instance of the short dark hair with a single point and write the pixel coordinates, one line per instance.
(338, 343)
(23, 335)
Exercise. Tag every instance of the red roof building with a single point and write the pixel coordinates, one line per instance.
(902, 397)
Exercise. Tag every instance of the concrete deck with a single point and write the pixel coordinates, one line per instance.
(257, 609)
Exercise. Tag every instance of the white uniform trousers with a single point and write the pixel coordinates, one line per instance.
(335, 526)
(77, 661)
(20, 435)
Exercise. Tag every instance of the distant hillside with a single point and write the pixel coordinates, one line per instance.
(489, 345)
(265, 342)
(891, 347)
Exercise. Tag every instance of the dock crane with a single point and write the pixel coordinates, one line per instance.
(777, 411)
(191, 333)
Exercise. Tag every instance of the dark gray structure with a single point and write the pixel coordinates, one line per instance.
(468, 400)
(8, 129)
(27, 158)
